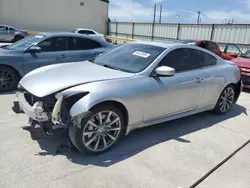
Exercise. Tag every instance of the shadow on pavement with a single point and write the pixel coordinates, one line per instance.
(142, 139)
(7, 93)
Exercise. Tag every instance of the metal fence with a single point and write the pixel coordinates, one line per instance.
(238, 34)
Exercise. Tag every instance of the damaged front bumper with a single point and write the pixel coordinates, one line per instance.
(35, 112)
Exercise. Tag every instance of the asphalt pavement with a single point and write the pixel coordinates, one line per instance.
(170, 155)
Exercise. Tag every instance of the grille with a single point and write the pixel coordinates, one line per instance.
(31, 99)
(245, 79)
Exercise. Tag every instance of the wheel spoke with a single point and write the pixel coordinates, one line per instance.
(92, 123)
(89, 133)
(109, 114)
(114, 129)
(104, 141)
(91, 140)
(100, 118)
(97, 143)
(112, 122)
(113, 138)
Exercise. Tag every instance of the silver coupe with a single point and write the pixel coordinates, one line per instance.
(131, 86)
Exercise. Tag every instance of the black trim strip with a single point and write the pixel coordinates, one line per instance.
(106, 1)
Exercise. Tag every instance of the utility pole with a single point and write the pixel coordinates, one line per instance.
(154, 13)
(160, 14)
(198, 19)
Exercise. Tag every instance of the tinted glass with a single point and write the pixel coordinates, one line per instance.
(185, 59)
(130, 57)
(211, 46)
(87, 32)
(53, 44)
(205, 59)
(82, 44)
(233, 48)
(25, 43)
(246, 54)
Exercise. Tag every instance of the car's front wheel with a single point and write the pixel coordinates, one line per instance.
(225, 101)
(8, 79)
(100, 131)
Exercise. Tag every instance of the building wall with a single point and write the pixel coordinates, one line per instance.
(54, 15)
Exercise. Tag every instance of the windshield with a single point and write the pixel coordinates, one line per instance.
(130, 57)
(246, 54)
(25, 43)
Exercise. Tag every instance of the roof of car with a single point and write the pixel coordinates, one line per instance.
(68, 34)
(160, 44)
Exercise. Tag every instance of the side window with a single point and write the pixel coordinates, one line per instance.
(86, 32)
(82, 44)
(233, 49)
(211, 46)
(11, 29)
(181, 60)
(53, 44)
(205, 59)
(3, 28)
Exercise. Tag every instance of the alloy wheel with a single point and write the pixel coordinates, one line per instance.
(101, 131)
(226, 100)
(6, 79)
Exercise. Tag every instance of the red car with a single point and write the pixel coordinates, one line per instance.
(209, 45)
(243, 63)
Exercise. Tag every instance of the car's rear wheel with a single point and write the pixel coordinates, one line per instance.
(99, 132)
(8, 79)
(17, 38)
(225, 101)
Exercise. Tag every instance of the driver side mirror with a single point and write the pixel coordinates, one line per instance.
(34, 49)
(165, 71)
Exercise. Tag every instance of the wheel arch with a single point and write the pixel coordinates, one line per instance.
(118, 105)
(11, 67)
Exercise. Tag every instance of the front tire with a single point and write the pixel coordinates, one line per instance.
(8, 79)
(225, 101)
(100, 131)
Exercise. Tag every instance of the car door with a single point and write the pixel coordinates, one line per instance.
(3, 33)
(81, 49)
(10, 33)
(213, 47)
(53, 50)
(180, 93)
(232, 49)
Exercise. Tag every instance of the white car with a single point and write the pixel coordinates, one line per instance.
(90, 32)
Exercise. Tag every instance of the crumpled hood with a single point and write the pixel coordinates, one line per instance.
(49, 79)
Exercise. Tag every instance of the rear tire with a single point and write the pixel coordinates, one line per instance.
(17, 38)
(97, 136)
(225, 101)
(8, 79)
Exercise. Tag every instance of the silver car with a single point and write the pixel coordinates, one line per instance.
(129, 87)
(43, 49)
(11, 34)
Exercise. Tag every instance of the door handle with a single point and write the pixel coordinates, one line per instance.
(199, 80)
(62, 56)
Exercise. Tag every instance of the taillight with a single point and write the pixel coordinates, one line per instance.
(25, 32)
